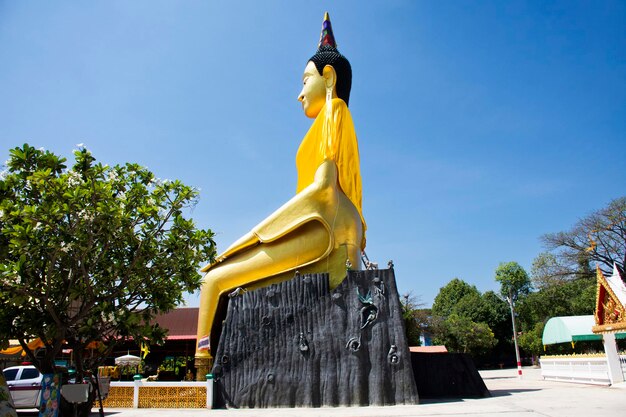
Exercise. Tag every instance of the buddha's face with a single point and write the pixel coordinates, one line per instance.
(313, 94)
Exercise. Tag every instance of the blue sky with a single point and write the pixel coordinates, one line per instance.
(481, 125)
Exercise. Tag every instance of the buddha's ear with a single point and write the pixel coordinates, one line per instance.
(330, 76)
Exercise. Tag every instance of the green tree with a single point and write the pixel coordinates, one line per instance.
(531, 341)
(447, 300)
(599, 237)
(548, 270)
(413, 318)
(92, 253)
(560, 292)
(514, 283)
(465, 302)
(583, 300)
(553, 299)
(461, 334)
(471, 306)
(498, 317)
(570, 298)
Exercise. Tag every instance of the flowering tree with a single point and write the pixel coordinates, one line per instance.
(91, 253)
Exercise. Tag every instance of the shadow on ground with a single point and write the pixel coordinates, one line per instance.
(506, 392)
(493, 392)
(499, 377)
(425, 401)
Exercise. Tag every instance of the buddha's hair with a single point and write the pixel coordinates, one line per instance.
(328, 55)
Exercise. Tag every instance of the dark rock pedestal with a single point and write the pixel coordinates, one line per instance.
(299, 344)
(447, 375)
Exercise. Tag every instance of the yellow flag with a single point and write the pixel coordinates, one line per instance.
(145, 349)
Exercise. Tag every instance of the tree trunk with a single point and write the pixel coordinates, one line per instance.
(81, 409)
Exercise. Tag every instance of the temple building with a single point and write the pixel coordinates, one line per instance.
(610, 317)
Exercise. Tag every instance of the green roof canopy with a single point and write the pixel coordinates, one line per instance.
(572, 329)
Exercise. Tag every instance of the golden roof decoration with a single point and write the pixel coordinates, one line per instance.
(610, 314)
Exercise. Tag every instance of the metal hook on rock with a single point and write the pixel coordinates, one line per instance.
(303, 343)
(354, 344)
(392, 356)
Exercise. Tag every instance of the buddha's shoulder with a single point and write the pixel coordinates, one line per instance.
(339, 105)
(340, 110)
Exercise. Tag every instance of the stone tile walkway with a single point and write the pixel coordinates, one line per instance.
(511, 397)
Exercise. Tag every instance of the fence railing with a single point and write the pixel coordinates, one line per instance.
(586, 370)
(143, 394)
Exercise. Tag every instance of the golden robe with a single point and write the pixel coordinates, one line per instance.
(320, 229)
(338, 143)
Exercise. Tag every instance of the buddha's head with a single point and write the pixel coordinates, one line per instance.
(326, 70)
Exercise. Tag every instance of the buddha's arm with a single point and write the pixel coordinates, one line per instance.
(314, 202)
(311, 204)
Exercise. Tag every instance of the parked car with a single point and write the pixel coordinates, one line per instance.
(25, 385)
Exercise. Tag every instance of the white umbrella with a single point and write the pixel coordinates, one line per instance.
(130, 360)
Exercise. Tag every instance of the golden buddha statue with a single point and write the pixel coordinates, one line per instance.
(321, 229)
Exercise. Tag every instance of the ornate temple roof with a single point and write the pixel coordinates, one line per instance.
(610, 313)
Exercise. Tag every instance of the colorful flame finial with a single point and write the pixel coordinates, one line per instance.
(327, 38)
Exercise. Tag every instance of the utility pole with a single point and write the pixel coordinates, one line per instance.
(519, 362)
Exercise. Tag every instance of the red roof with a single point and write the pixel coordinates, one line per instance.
(182, 323)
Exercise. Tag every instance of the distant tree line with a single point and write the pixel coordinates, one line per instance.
(562, 282)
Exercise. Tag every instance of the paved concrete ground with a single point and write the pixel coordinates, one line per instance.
(511, 397)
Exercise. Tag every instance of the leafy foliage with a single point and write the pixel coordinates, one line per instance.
(414, 318)
(449, 297)
(530, 341)
(548, 270)
(566, 299)
(498, 317)
(564, 280)
(461, 304)
(92, 252)
(514, 281)
(561, 293)
(461, 334)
